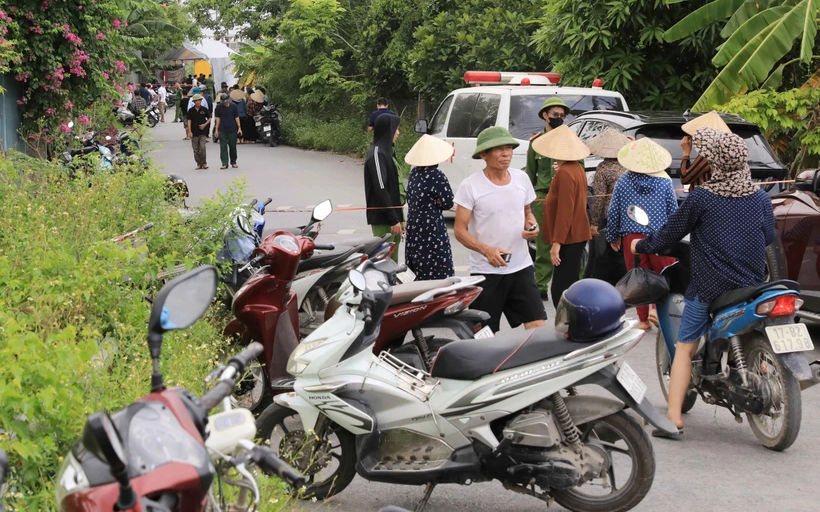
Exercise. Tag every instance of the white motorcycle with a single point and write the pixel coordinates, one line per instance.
(489, 409)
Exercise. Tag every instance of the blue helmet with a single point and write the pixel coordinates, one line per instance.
(589, 310)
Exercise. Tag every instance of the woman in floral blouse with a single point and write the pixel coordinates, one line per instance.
(605, 145)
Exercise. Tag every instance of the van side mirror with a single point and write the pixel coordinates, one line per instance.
(422, 126)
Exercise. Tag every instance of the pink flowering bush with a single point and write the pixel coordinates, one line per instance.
(47, 47)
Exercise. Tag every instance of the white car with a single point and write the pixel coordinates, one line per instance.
(514, 105)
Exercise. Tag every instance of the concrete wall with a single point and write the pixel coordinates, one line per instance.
(10, 114)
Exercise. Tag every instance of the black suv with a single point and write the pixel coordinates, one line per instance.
(665, 129)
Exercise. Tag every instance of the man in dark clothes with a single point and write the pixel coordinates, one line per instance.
(227, 128)
(381, 182)
(144, 93)
(381, 108)
(198, 121)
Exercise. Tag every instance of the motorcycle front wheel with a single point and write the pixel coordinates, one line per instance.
(631, 471)
(252, 391)
(662, 364)
(328, 462)
(777, 427)
(152, 121)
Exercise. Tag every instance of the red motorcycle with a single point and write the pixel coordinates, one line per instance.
(266, 311)
(152, 455)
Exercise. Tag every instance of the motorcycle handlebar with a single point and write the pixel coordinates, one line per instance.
(324, 247)
(268, 462)
(211, 399)
(241, 360)
(368, 315)
(236, 366)
(267, 201)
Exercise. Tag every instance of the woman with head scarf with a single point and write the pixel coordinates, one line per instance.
(564, 222)
(731, 223)
(648, 186)
(255, 102)
(428, 253)
(381, 182)
(698, 171)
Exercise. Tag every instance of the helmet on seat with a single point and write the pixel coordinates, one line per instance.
(589, 310)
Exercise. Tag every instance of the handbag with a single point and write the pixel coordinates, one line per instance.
(640, 286)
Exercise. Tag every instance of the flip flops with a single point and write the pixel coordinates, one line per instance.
(235, 166)
(224, 167)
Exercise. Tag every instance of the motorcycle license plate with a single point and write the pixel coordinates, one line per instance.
(267, 128)
(631, 382)
(789, 338)
(406, 277)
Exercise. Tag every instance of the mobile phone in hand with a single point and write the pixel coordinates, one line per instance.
(506, 257)
(532, 228)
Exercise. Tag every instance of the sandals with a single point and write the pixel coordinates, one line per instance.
(653, 318)
(224, 167)
(663, 434)
(204, 166)
(235, 166)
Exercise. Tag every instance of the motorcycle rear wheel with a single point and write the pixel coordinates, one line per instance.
(281, 426)
(152, 121)
(619, 434)
(786, 401)
(662, 364)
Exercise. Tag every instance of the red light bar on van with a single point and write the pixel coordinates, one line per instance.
(511, 78)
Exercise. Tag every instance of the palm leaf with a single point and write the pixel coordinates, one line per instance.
(747, 11)
(137, 30)
(779, 41)
(701, 18)
(746, 32)
(728, 83)
(809, 31)
(160, 26)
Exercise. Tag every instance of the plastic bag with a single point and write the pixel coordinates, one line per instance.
(641, 286)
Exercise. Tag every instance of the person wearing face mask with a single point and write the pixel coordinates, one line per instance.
(541, 170)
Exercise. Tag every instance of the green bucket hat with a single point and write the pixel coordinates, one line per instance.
(555, 101)
(493, 137)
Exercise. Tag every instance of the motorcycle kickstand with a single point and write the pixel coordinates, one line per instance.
(427, 493)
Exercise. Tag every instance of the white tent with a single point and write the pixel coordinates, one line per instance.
(219, 56)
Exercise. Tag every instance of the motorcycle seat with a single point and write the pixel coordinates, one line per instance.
(369, 244)
(473, 359)
(741, 295)
(326, 258)
(403, 293)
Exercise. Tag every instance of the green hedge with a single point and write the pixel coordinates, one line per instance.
(346, 135)
(73, 311)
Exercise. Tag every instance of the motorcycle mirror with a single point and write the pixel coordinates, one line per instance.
(358, 280)
(244, 223)
(182, 301)
(637, 214)
(101, 438)
(322, 211)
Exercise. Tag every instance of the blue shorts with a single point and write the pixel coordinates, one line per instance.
(695, 320)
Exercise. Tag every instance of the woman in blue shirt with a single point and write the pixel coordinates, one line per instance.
(647, 185)
(731, 223)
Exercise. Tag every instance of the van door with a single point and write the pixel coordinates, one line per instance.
(472, 112)
(438, 127)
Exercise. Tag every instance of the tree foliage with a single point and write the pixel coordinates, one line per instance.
(621, 42)
(759, 34)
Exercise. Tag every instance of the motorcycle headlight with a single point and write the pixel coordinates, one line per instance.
(70, 479)
(295, 365)
(287, 242)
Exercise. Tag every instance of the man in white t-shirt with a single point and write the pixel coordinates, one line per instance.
(494, 221)
(163, 96)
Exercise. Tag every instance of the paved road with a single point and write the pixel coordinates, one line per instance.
(718, 467)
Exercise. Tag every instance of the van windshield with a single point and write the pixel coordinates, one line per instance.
(524, 120)
(669, 136)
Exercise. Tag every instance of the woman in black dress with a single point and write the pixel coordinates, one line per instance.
(427, 251)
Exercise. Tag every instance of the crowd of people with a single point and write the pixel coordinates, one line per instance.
(228, 120)
(500, 209)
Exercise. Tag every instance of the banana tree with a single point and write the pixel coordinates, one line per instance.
(144, 23)
(758, 34)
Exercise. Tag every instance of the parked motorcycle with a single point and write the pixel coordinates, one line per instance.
(163, 452)
(4, 471)
(152, 114)
(272, 317)
(486, 410)
(89, 145)
(269, 124)
(749, 361)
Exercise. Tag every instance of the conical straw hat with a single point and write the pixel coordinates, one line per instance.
(709, 120)
(561, 144)
(237, 95)
(645, 156)
(608, 143)
(428, 150)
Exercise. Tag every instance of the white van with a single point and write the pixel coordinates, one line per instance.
(464, 113)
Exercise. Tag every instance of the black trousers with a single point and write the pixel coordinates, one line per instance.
(565, 274)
